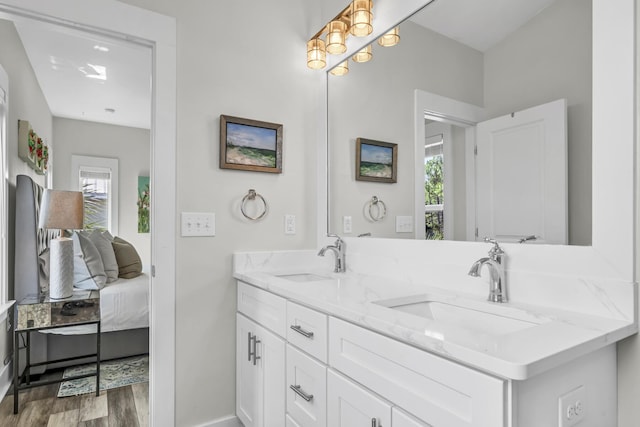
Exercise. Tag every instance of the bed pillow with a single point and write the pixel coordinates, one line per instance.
(88, 269)
(103, 243)
(129, 262)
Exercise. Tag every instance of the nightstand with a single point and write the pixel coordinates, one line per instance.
(38, 312)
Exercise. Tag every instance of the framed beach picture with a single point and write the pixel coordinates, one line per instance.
(250, 145)
(376, 161)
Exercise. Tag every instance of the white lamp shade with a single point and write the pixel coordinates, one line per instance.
(62, 210)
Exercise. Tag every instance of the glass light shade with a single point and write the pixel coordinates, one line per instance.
(363, 55)
(316, 54)
(336, 37)
(390, 38)
(361, 18)
(341, 69)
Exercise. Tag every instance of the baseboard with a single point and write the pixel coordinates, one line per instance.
(230, 421)
(5, 378)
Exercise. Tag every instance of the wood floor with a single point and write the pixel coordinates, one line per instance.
(120, 407)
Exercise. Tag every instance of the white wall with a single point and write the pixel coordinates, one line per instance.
(547, 59)
(246, 59)
(376, 101)
(129, 145)
(26, 102)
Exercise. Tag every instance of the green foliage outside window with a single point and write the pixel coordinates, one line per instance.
(433, 195)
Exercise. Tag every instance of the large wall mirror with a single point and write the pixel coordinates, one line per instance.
(502, 60)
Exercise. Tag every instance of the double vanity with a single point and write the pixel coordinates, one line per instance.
(321, 348)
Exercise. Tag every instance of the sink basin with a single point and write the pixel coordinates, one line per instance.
(470, 316)
(303, 277)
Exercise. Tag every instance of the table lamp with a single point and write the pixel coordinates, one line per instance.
(61, 210)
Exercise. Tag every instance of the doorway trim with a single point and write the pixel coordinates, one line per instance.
(450, 111)
(116, 19)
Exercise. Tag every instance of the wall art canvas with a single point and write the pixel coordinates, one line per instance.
(250, 145)
(144, 205)
(376, 161)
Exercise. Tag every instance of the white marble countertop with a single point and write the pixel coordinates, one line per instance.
(543, 338)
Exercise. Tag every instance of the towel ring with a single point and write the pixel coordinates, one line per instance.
(381, 209)
(252, 195)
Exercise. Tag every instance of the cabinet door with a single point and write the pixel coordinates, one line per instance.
(260, 375)
(306, 389)
(349, 405)
(247, 381)
(401, 419)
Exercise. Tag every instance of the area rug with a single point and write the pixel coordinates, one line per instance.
(113, 374)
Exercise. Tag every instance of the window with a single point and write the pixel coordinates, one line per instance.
(97, 178)
(434, 188)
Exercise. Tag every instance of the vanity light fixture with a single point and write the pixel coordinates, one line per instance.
(390, 38)
(316, 54)
(336, 37)
(361, 18)
(363, 55)
(341, 69)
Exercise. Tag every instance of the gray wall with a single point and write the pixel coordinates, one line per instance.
(547, 59)
(129, 145)
(376, 101)
(242, 58)
(26, 102)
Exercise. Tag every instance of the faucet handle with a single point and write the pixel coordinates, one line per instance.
(496, 249)
(339, 240)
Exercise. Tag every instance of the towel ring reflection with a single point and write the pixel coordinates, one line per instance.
(250, 196)
(380, 209)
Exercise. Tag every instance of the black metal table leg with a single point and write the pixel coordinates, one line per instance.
(98, 361)
(16, 370)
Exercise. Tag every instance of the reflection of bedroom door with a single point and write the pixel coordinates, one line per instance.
(521, 175)
(4, 86)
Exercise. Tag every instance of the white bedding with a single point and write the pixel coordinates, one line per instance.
(124, 304)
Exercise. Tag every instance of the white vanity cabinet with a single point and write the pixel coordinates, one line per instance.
(260, 359)
(351, 405)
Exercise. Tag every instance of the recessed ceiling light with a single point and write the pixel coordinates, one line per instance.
(101, 48)
(110, 110)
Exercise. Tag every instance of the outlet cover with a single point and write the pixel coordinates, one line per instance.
(347, 225)
(289, 224)
(572, 407)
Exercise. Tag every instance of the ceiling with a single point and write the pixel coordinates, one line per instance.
(479, 24)
(90, 77)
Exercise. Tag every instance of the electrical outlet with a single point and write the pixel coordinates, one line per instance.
(347, 224)
(198, 224)
(289, 224)
(572, 407)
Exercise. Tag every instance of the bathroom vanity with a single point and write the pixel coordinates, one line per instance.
(317, 348)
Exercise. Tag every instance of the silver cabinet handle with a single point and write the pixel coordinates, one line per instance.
(301, 331)
(249, 353)
(301, 393)
(252, 351)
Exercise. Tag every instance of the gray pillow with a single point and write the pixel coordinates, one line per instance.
(103, 243)
(129, 262)
(88, 269)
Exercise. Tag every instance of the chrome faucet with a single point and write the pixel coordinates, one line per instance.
(339, 249)
(495, 264)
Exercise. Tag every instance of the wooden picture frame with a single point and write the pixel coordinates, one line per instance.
(250, 145)
(376, 161)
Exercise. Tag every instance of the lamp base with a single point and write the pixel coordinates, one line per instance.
(61, 270)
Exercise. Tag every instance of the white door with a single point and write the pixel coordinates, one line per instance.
(349, 405)
(521, 175)
(247, 380)
(260, 375)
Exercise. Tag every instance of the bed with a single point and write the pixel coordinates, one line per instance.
(124, 303)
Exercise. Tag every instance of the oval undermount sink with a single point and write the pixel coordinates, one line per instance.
(303, 277)
(469, 317)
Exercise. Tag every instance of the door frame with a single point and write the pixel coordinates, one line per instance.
(450, 111)
(116, 19)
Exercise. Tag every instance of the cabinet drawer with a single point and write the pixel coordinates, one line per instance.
(350, 405)
(402, 419)
(307, 404)
(290, 422)
(440, 392)
(264, 307)
(307, 329)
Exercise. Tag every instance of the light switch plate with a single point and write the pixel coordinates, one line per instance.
(289, 224)
(404, 224)
(198, 224)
